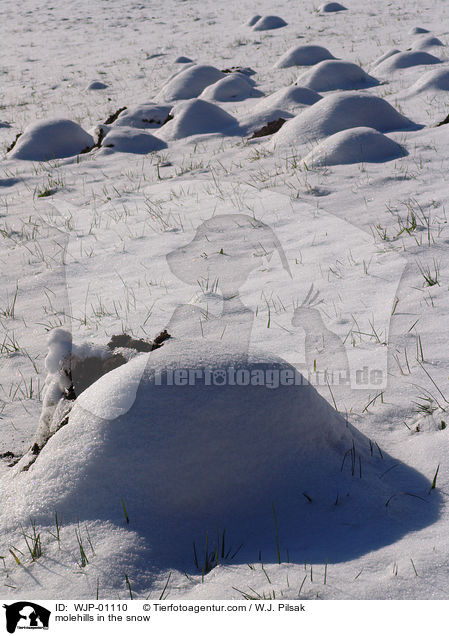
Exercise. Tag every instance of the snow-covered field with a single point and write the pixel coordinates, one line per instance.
(208, 468)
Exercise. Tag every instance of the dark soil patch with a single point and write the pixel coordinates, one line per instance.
(246, 70)
(111, 119)
(269, 129)
(86, 371)
(11, 146)
(7, 455)
(444, 122)
(98, 142)
(169, 117)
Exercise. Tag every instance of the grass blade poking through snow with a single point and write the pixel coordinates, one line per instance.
(57, 534)
(33, 542)
(16, 558)
(129, 587)
(161, 597)
(213, 556)
(434, 480)
(83, 556)
(124, 510)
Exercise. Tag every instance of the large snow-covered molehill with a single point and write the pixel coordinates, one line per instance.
(196, 117)
(190, 438)
(406, 59)
(330, 75)
(144, 116)
(431, 82)
(427, 42)
(290, 98)
(51, 139)
(339, 112)
(355, 145)
(268, 22)
(235, 86)
(190, 82)
(128, 139)
(304, 55)
(331, 7)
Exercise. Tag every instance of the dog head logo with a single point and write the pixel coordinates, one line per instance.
(26, 615)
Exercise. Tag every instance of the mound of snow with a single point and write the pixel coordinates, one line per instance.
(406, 59)
(52, 139)
(127, 139)
(258, 118)
(332, 75)
(417, 30)
(191, 438)
(233, 87)
(182, 59)
(144, 116)
(436, 80)
(426, 42)
(97, 86)
(190, 82)
(252, 21)
(290, 98)
(331, 7)
(385, 56)
(268, 22)
(339, 112)
(196, 117)
(304, 55)
(356, 145)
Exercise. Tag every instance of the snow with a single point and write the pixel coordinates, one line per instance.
(190, 82)
(207, 454)
(260, 117)
(319, 248)
(290, 98)
(252, 21)
(338, 112)
(426, 42)
(196, 117)
(183, 59)
(431, 82)
(330, 75)
(417, 30)
(51, 139)
(356, 145)
(96, 85)
(385, 56)
(149, 115)
(331, 7)
(236, 86)
(268, 22)
(127, 139)
(405, 60)
(304, 55)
